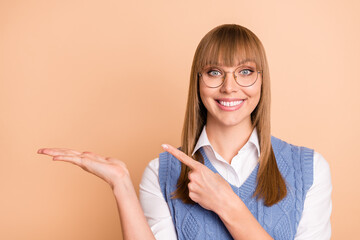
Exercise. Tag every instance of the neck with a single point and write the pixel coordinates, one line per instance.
(228, 140)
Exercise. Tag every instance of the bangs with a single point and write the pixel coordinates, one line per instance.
(229, 46)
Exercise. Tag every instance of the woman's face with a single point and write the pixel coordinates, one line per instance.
(231, 104)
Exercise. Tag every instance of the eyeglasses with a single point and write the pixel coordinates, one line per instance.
(214, 77)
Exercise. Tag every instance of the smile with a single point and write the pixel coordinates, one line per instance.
(230, 105)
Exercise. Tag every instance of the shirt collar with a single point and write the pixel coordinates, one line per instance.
(204, 141)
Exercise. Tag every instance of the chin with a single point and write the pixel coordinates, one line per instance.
(231, 122)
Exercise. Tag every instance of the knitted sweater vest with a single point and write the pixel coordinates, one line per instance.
(281, 220)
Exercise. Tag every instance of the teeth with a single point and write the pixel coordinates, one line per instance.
(230, 104)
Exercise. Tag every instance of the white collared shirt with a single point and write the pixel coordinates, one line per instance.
(314, 223)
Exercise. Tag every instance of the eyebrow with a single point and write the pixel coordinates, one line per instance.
(238, 64)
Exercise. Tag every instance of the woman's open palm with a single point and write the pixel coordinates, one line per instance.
(110, 169)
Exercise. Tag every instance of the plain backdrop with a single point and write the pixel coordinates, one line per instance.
(111, 77)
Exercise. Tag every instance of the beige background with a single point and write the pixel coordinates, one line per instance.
(111, 77)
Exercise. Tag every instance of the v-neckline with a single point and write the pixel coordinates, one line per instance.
(248, 184)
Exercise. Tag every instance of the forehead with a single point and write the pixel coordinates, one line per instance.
(229, 54)
(230, 57)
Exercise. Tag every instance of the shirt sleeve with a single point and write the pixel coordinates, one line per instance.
(153, 203)
(315, 220)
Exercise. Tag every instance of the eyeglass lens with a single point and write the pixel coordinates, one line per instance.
(244, 76)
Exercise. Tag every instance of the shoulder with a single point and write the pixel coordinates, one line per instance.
(168, 168)
(151, 173)
(296, 163)
(314, 160)
(164, 158)
(320, 163)
(315, 220)
(280, 144)
(168, 161)
(289, 152)
(322, 176)
(152, 167)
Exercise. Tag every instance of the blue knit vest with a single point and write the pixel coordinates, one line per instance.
(281, 220)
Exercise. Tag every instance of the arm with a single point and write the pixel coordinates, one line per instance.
(238, 219)
(114, 172)
(315, 220)
(154, 205)
(212, 192)
(133, 222)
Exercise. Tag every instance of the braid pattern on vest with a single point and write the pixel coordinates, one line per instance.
(280, 220)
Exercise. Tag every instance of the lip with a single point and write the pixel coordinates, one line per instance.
(229, 99)
(229, 108)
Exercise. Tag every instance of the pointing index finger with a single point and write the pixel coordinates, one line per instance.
(181, 156)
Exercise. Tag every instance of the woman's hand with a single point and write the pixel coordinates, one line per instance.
(112, 170)
(212, 192)
(206, 188)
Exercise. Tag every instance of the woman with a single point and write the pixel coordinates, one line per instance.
(231, 179)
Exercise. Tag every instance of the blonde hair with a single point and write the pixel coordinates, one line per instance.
(225, 44)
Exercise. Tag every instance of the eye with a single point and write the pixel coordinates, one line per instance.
(214, 73)
(245, 72)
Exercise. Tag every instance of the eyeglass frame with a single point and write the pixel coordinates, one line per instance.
(233, 72)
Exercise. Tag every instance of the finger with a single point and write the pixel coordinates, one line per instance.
(83, 162)
(57, 151)
(193, 187)
(115, 160)
(65, 150)
(194, 196)
(193, 176)
(181, 156)
(78, 160)
(93, 156)
(190, 175)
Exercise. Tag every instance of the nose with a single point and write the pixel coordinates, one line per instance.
(229, 84)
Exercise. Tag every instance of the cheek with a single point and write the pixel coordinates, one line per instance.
(205, 94)
(254, 93)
